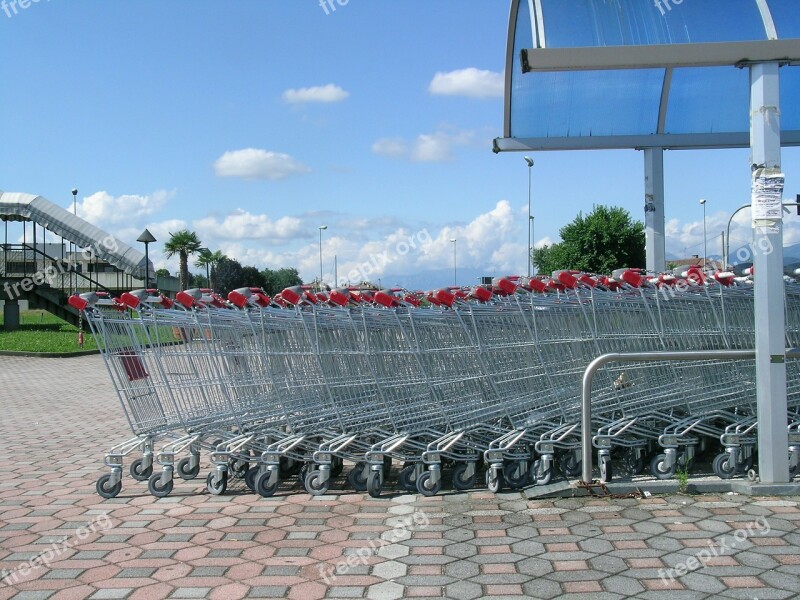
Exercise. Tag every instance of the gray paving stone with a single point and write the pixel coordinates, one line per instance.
(462, 569)
(338, 592)
(208, 572)
(535, 567)
(623, 585)
(136, 572)
(542, 588)
(466, 590)
(198, 592)
(64, 574)
(461, 550)
(33, 595)
(111, 593)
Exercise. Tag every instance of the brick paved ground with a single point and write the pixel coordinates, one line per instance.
(58, 417)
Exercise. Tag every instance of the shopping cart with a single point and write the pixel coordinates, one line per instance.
(456, 380)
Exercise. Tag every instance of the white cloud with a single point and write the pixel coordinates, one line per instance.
(319, 93)
(103, 209)
(242, 225)
(471, 82)
(392, 147)
(254, 163)
(427, 147)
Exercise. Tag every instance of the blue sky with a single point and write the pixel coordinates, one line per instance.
(255, 122)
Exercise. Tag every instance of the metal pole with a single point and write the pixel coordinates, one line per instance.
(455, 268)
(529, 162)
(767, 215)
(321, 227)
(654, 209)
(533, 238)
(335, 272)
(146, 265)
(705, 249)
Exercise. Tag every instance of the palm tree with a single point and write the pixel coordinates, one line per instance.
(207, 258)
(183, 243)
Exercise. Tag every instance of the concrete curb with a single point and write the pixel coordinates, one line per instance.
(565, 489)
(48, 354)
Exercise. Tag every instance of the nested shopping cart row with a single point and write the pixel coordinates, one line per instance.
(481, 379)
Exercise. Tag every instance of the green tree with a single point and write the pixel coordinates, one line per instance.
(229, 275)
(207, 258)
(184, 243)
(604, 240)
(163, 273)
(277, 281)
(252, 277)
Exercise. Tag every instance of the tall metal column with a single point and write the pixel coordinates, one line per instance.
(767, 191)
(654, 208)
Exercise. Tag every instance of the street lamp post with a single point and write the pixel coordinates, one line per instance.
(454, 241)
(529, 162)
(72, 244)
(146, 238)
(705, 239)
(321, 227)
(533, 241)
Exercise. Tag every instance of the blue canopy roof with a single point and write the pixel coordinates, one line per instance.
(701, 107)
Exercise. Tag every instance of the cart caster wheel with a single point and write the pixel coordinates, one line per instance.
(374, 484)
(658, 470)
(138, 472)
(569, 465)
(185, 472)
(794, 471)
(357, 477)
(238, 468)
(425, 487)
(406, 478)
(494, 484)
(514, 481)
(606, 471)
(289, 467)
(540, 476)
(337, 466)
(460, 482)
(250, 477)
(722, 466)
(752, 476)
(262, 485)
(157, 489)
(221, 485)
(633, 464)
(108, 491)
(313, 485)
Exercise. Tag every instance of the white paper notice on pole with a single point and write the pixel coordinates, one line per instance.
(767, 196)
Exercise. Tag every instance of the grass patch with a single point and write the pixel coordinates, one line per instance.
(41, 331)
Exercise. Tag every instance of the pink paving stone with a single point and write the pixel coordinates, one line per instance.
(258, 553)
(661, 584)
(696, 542)
(490, 569)
(269, 536)
(423, 591)
(326, 552)
(785, 509)
(487, 519)
(225, 561)
(188, 554)
(724, 511)
(681, 527)
(99, 574)
(307, 591)
(292, 561)
(570, 565)
(210, 582)
(145, 563)
(333, 536)
(232, 591)
(770, 541)
(126, 582)
(430, 550)
(222, 523)
(78, 592)
(578, 587)
(742, 582)
(172, 572)
(501, 549)
(427, 535)
(157, 591)
(244, 571)
(666, 513)
(787, 559)
(484, 533)
(645, 563)
(722, 561)
(504, 590)
(164, 523)
(425, 570)
(629, 544)
(562, 547)
(140, 539)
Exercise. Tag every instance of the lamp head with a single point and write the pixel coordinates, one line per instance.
(529, 160)
(703, 201)
(323, 227)
(74, 191)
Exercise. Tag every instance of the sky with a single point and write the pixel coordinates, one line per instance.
(253, 123)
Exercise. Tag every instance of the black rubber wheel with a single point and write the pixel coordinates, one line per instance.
(539, 476)
(289, 467)
(262, 485)
(313, 486)
(357, 478)
(406, 478)
(657, 467)
(722, 466)
(494, 485)
(794, 471)
(238, 467)
(185, 472)
(108, 491)
(138, 472)
(460, 482)
(220, 486)
(569, 465)
(425, 487)
(515, 482)
(250, 477)
(337, 466)
(633, 464)
(374, 484)
(158, 490)
(387, 465)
